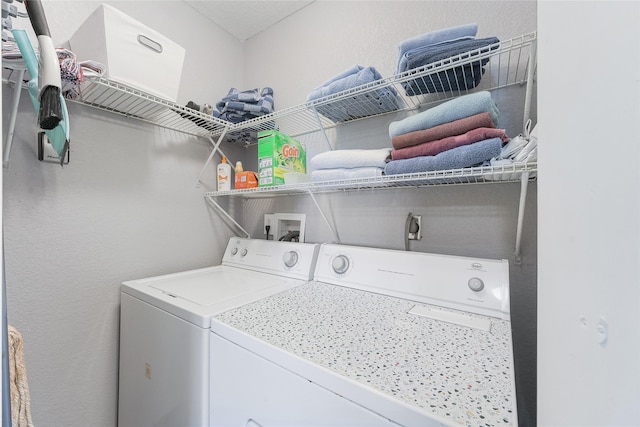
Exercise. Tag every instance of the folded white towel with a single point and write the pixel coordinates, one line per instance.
(356, 158)
(344, 173)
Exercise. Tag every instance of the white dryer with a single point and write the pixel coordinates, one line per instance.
(165, 320)
(378, 338)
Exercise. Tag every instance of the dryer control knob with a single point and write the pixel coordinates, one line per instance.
(290, 258)
(340, 264)
(234, 251)
(476, 284)
(243, 252)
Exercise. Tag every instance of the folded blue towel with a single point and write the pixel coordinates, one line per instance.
(349, 79)
(356, 106)
(356, 158)
(455, 109)
(435, 37)
(456, 158)
(346, 73)
(361, 105)
(251, 95)
(237, 106)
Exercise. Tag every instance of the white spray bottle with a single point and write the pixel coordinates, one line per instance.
(224, 175)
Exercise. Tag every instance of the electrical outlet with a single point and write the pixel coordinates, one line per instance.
(269, 220)
(415, 227)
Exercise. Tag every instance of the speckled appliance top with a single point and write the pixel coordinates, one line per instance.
(454, 372)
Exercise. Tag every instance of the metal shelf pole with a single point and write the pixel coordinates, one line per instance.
(17, 90)
(335, 233)
(524, 182)
(229, 217)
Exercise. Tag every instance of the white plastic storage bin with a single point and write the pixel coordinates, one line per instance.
(134, 54)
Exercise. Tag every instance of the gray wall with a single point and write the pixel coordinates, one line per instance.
(127, 207)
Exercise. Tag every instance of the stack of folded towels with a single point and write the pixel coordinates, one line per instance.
(239, 106)
(349, 164)
(359, 105)
(438, 45)
(456, 134)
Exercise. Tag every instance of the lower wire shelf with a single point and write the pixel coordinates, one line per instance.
(474, 175)
(515, 172)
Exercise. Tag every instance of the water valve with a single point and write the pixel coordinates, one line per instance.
(414, 227)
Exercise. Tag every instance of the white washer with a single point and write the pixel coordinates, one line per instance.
(164, 327)
(380, 337)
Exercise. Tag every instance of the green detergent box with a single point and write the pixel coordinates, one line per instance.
(278, 154)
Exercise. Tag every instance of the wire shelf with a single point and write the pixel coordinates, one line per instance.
(118, 98)
(499, 65)
(473, 175)
(502, 64)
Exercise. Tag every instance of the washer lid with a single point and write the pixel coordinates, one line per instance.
(197, 295)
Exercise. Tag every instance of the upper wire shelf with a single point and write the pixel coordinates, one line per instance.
(108, 95)
(473, 175)
(503, 64)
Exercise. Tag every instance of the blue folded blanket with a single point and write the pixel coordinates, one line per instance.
(412, 45)
(460, 78)
(455, 109)
(456, 158)
(431, 54)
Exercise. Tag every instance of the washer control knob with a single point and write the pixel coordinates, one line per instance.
(290, 258)
(234, 250)
(340, 264)
(476, 284)
(243, 252)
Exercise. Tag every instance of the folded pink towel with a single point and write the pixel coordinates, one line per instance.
(436, 147)
(456, 127)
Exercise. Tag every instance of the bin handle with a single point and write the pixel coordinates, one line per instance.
(150, 43)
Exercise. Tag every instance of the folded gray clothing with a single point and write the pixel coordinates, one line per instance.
(456, 158)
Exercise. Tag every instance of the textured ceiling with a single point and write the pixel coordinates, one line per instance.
(246, 18)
